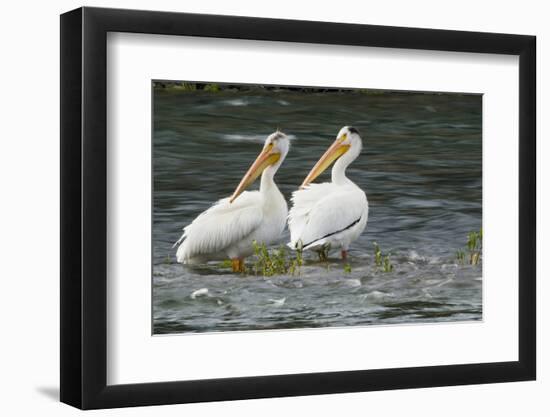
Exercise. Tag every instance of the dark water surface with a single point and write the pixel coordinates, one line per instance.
(421, 170)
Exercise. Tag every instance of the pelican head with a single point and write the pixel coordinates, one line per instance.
(271, 157)
(348, 143)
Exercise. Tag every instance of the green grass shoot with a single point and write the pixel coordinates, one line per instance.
(382, 261)
(275, 261)
(474, 249)
(377, 255)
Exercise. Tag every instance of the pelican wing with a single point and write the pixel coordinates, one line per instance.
(220, 226)
(322, 210)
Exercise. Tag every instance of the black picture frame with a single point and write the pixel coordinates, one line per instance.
(84, 207)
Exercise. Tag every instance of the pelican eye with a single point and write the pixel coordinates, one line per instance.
(343, 137)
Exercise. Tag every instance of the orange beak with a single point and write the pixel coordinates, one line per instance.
(336, 150)
(264, 159)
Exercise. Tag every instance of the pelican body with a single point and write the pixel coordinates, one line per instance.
(229, 228)
(331, 214)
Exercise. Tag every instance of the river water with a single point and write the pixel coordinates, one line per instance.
(420, 168)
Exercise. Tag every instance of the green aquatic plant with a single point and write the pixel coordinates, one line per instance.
(212, 88)
(226, 264)
(280, 261)
(189, 86)
(275, 261)
(377, 255)
(382, 261)
(460, 256)
(474, 244)
(474, 248)
(296, 263)
(388, 266)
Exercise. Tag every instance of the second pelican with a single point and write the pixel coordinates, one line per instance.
(331, 214)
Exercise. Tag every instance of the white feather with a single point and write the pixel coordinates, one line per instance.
(221, 226)
(327, 209)
(303, 202)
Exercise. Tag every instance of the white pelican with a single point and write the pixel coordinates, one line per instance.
(228, 228)
(331, 214)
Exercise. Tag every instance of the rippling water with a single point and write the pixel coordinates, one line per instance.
(421, 170)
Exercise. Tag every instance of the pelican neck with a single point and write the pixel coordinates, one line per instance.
(267, 182)
(338, 173)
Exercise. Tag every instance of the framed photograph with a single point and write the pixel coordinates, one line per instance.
(257, 208)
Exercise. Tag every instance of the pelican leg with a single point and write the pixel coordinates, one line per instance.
(344, 255)
(237, 264)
